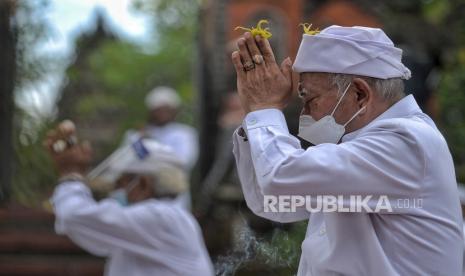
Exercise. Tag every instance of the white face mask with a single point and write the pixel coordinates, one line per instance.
(325, 130)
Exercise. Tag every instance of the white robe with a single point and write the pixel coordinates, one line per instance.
(152, 237)
(400, 154)
(181, 138)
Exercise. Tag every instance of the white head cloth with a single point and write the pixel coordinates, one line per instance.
(162, 96)
(144, 157)
(351, 50)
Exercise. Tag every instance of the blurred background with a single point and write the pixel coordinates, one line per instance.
(94, 61)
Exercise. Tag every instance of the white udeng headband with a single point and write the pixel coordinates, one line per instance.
(351, 50)
(143, 156)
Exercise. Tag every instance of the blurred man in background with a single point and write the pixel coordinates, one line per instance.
(141, 228)
(163, 104)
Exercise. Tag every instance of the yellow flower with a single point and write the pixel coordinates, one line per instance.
(258, 30)
(308, 29)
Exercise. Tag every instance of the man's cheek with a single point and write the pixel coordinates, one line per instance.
(317, 114)
(322, 108)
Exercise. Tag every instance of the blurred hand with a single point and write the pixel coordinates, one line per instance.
(261, 83)
(68, 156)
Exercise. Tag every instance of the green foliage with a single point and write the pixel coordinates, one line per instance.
(118, 75)
(176, 24)
(122, 75)
(34, 174)
(32, 28)
(448, 14)
(452, 101)
(436, 10)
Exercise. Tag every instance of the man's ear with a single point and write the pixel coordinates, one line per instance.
(363, 92)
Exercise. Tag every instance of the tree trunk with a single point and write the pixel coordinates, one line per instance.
(7, 81)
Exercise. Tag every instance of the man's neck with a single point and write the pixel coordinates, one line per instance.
(379, 108)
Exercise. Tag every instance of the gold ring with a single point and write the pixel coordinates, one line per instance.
(249, 66)
(258, 59)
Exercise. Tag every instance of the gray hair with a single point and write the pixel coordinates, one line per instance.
(390, 90)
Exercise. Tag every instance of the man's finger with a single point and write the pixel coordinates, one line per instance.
(65, 132)
(59, 132)
(51, 133)
(286, 69)
(86, 147)
(253, 49)
(52, 137)
(265, 49)
(236, 60)
(66, 129)
(245, 55)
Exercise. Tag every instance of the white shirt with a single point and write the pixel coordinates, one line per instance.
(464, 245)
(181, 138)
(400, 154)
(153, 237)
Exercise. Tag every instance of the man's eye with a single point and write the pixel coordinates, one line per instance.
(302, 91)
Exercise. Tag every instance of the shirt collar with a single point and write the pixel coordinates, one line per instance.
(403, 108)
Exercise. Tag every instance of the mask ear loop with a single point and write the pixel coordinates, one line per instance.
(355, 115)
(340, 99)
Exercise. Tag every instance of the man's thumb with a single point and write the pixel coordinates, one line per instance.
(286, 68)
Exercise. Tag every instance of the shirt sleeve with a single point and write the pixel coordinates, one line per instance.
(252, 193)
(105, 226)
(384, 161)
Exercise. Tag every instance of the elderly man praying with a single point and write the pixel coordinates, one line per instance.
(371, 142)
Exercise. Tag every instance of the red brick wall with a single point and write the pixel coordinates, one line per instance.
(344, 13)
(240, 11)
